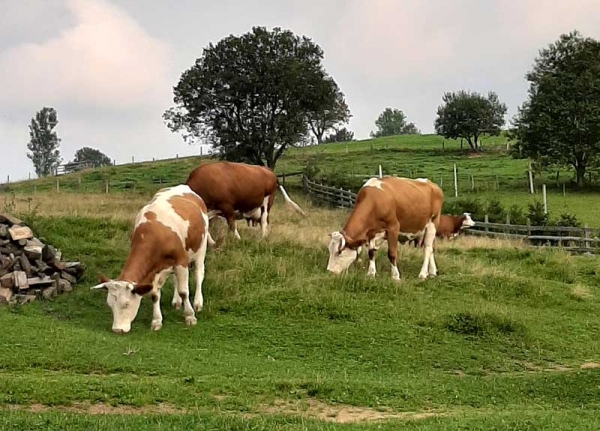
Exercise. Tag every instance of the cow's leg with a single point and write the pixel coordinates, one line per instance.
(198, 298)
(264, 217)
(231, 222)
(176, 302)
(392, 240)
(372, 270)
(156, 314)
(428, 261)
(183, 286)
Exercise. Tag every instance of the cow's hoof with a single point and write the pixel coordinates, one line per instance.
(422, 276)
(198, 307)
(176, 305)
(156, 325)
(190, 320)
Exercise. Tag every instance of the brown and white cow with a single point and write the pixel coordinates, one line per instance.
(450, 226)
(170, 233)
(237, 190)
(385, 209)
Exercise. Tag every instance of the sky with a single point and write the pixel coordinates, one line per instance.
(109, 66)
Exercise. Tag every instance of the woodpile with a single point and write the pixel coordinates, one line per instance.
(30, 269)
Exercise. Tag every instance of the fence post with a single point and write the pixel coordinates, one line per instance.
(472, 182)
(530, 179)
(57, 185)
(544, 197)
(564, 191)
(557, 176)
(443, 145)
(507, 218)
(29, 175)
(586, 234)
(528, 226)
(455, 183)
(486, 219)
(107, 186)
(35, 188)
(441, 182)
(79, 183)
(380, 172)
(497, 183)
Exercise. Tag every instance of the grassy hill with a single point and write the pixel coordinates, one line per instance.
(493, 174)
(505, 338)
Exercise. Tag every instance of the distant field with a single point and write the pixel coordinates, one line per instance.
(505, 338)
(495, 173)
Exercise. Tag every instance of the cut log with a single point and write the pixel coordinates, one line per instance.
(25, 265)
(7, 281)
(66, 276)
(48, 253)
(64, 286)
(20, 232)
(9, 219)
(5, 294)
(33, 252)
(38, 282)
(49, 292)
(20, 280)
(76, 269)
(3, 231)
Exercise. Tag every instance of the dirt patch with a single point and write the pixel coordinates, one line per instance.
(590, 365)
(100, 409)
(341, 413)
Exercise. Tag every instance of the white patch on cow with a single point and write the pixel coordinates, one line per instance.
(165, 214)
(395, 273)
(428, 267)
(377, 240)
(372, 270)
(411, 235)
(422, 180)
(123, 303)
(213, 213)
(374, 182)
(254, 214)
(340, 257)
(263, 218)
(468, 221)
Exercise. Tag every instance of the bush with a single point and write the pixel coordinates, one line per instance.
(536, 214)
(495, 211)
(482, 324)
(567, 219)
(469, 205)
(516, 214)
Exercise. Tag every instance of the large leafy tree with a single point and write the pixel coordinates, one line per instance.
(393, 122)
(469, 116)
(341, 135)
(559, 124)
(252, 96)
(96, 157)
(44, 142)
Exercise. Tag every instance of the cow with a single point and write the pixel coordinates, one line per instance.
(170, 233)
(238, 190)
(449, 227)
(385, 209)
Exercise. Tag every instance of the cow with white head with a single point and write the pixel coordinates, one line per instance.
(170, 233)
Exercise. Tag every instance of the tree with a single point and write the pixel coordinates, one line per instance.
(469, 116)
(335, 110)
(559, 123)
(96, 157)
(342, 135)
(44, 142)
(252, 96)
(393, 122)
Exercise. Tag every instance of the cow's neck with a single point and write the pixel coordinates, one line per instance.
(357, 227)
(141, 265)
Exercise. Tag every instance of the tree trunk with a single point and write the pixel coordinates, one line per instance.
(470, 141)
(580, 172)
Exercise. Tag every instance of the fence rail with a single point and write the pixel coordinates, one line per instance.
(571, 238)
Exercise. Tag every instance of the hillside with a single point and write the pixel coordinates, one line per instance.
(491, 174)
(505, 337)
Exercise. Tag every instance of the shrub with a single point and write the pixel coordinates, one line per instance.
(536, 214)
(516, 214)
(495, 211)
(470, 205)
(567, 219)
(482, 324)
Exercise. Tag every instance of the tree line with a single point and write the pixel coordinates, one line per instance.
(251, 97)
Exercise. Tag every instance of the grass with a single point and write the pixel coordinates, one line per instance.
(495, 173)
(505, 338)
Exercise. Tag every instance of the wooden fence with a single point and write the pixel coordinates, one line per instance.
(574, 239)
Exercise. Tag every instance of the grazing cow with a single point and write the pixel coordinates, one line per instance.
(449, 227)
(386, 208)
(238, 190)
(170, 233)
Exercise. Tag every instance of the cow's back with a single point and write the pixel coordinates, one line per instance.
(238, 184)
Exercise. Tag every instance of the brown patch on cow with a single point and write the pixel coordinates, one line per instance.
(590, 365)
(190, 208)
(150, 216)
(341, 413)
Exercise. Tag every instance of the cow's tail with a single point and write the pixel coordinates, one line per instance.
(290, 201)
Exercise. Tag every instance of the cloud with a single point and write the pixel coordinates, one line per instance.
(106, 60)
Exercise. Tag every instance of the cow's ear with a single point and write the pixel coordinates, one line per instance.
(142, 289)
(103, 278)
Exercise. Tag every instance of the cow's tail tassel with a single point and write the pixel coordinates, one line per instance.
(291, 202)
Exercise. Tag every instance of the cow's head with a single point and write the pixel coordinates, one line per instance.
(340, 255)
(124, 299)
(467, 221)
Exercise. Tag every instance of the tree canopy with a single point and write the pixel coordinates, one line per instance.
(96, 157)
(469, 116)
(252, 96)
(393, 122)
(559, 124)
(341, 135)
(44, 142)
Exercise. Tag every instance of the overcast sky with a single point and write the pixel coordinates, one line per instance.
(108, 66)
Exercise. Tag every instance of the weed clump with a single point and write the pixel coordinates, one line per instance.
(482, 325)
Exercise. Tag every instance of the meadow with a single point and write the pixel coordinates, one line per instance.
(505, 337)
